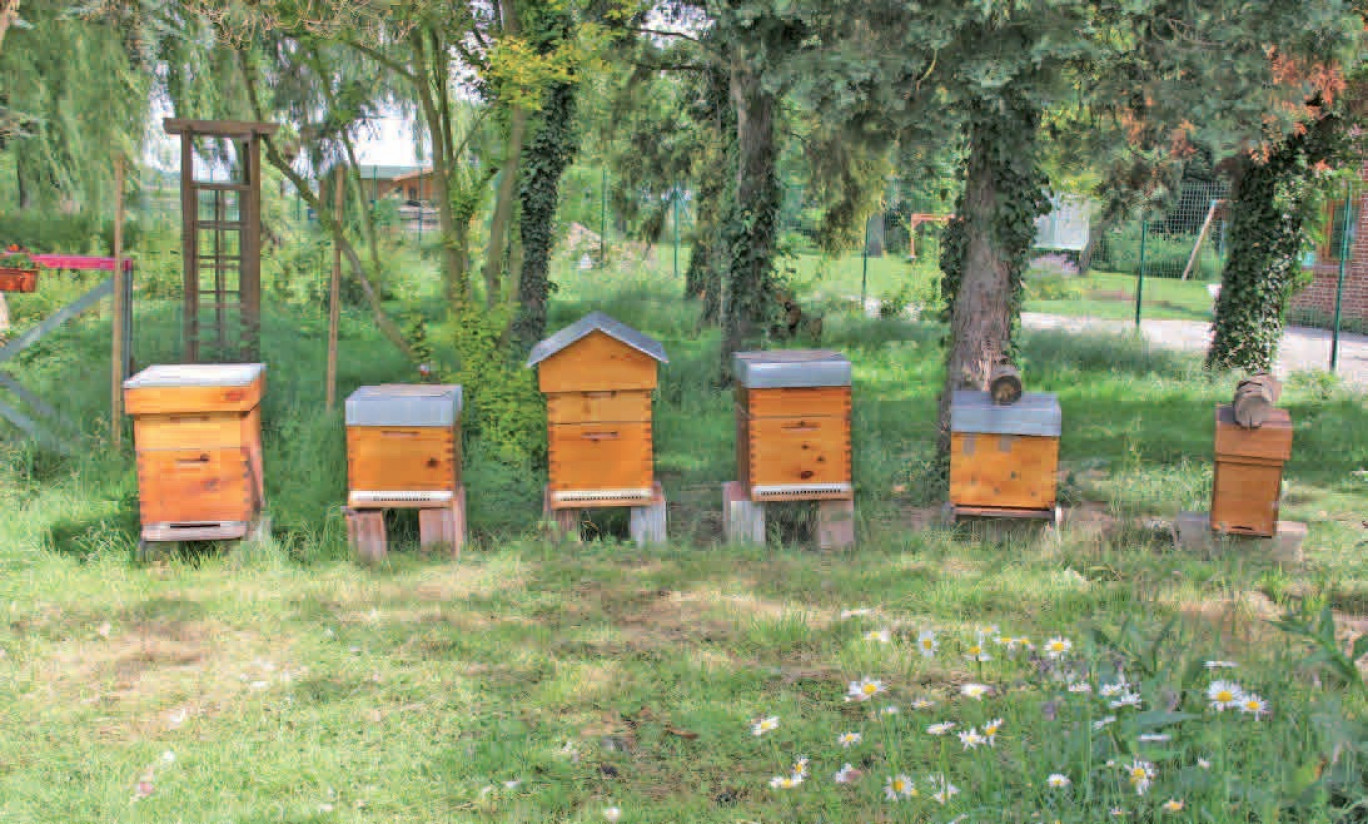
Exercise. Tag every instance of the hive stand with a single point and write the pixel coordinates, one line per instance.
(1004, 459)
(598, 376)
(404, 452)
(792, 443)
(197, 432)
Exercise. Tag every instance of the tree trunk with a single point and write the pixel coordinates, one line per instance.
(503, 209)
(1266, 212)
(551, 151)
(751, 226)
(987, 243)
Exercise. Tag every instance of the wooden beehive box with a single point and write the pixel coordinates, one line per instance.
(1004, 458)
(1248, 477)
(598, 376)
(793, 425)
(403, 446)
(197, 432)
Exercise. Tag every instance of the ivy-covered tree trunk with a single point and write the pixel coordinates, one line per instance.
(1267, 213)
(751, 223)
(548, 155)
(986, 245)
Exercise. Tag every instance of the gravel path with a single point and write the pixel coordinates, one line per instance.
(1302, 348)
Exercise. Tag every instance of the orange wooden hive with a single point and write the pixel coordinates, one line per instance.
(1248, 479)
(793, 425)
(403, 446)
(1004, 460)
(598, 376)
(197, 431)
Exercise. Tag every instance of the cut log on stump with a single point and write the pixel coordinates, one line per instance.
(1255, 399)
(1004, 384)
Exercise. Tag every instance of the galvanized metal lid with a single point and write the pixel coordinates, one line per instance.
(196, 374)
(404, 404)
(597, 322)
(791, 368)
(1037, 413)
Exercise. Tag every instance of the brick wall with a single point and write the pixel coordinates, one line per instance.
(1319, 298)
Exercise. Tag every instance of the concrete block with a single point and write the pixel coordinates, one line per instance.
(743, 520)
(835, 524)
(1192, 531)
(648, 522)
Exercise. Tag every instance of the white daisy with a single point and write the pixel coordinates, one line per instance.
(1141, 775)
(888, 710)
(971, 738)
(865, 689)
(849, 739)
(846, 775)
(1112, 690)
(947, 790)
(1058, 781)
(1116, 812)
(1203, 763)
(1058, 647)
(1102, 723)
(1129, 699)
(1251, 704)
(881, 636)
(922, 703)
(1215, 665)
(785, 782)
(927, 643)
(1173, 805)
(975, 691)
(899, 787)
(1224, 695)
(800, 767)
(612, 814)
(765, 725)
(941, 728)
(1080, 687)
(990, 731)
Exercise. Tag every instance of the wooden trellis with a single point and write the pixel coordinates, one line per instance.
(221, 242)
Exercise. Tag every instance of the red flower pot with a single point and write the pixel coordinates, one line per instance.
(18, 280)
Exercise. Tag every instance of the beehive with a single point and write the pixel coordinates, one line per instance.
(1248, 477)
(598, 376)
(1004, 458)
(793, 425)
(403, 446)
(197, 432)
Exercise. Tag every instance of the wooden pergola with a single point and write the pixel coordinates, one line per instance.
(221, 242)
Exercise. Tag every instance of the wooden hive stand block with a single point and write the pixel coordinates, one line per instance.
(197, 433)
(404, 452)
(366, 534)
(1004, 459)
(792, 442)
(598, 376)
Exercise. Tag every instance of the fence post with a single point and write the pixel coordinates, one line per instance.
(864, 268)
(1339, 286)
(1140, 282)
(603, 216)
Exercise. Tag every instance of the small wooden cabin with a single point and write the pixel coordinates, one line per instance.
(793, 425)
(1248, 479)
(598, 375)
(1004, 459)
(197, 433)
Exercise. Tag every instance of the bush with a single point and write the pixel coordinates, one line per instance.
(1053, 277)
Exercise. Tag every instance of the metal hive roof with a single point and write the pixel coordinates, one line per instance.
(597, 322)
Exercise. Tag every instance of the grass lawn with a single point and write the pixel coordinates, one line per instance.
(535, 681)
(1112, 296)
